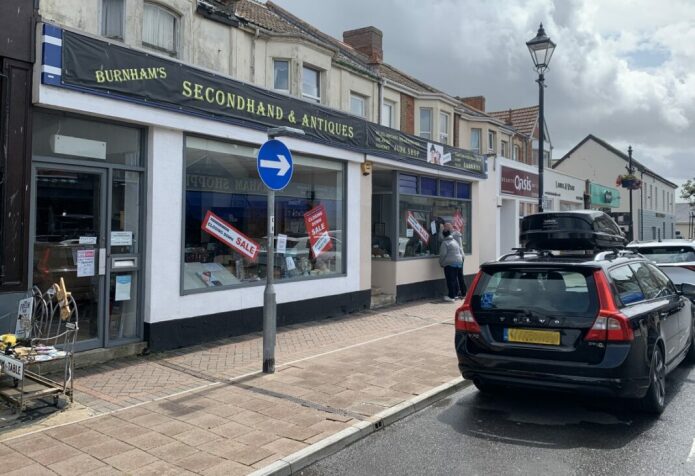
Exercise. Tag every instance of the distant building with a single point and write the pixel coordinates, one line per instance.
(653, 203)
(685, 221)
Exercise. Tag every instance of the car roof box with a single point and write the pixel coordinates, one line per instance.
(571, 230)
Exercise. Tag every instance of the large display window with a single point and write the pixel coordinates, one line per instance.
(409, 212)
(225, 231)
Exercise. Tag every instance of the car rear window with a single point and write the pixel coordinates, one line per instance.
(548, 291)
(668, 254)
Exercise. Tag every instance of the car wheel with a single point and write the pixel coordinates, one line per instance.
(690, 357)
(655, 399)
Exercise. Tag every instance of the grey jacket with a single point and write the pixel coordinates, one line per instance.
(450, 253)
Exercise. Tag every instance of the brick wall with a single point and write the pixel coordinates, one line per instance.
(407, 114)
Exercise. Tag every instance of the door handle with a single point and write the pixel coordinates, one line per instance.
(102, 261)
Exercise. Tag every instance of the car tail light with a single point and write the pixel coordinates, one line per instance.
(465, 320)
(691, 268)
(610, 324)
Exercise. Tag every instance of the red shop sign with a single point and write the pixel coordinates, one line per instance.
(230, 236)
(316, 222)
(518, 182)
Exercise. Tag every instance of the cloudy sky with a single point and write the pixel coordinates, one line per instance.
(623, 70)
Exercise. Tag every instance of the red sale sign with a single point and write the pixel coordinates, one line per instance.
(230, 236)
(419, 229)
(316, 223)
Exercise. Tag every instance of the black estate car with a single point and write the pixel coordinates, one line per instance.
(607, 322)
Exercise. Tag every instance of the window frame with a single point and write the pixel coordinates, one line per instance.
(504, 145)
(286, 61)
(477, 131)
(177, 30)
(123, 22)
(307, 96)
(491, 140)
(392, 107)
(363, 99)
(345, 230)
(444, 117)
(426, 134)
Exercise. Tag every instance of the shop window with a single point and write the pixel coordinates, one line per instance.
(281, 75)
(222, 183)
(476, 139)
(112, 19)
(426, 122)
(160, 29)
(387, 114)
(358, 105)
(420, 224)
(407, 183)
(311, 84)
(444, 127)
(463, 190)
(446, 188)
(57, 135)
(428, 186)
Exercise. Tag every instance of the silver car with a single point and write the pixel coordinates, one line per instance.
(676, 258)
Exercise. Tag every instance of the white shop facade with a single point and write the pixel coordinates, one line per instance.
(133, 153)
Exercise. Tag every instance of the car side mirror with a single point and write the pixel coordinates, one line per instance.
(687, 290)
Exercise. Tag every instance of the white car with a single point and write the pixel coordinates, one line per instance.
(676, 258)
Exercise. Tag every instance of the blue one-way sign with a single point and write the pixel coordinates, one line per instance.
(274, 164)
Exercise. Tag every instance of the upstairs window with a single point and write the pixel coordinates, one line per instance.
(516, 153)
(387, 114)
(112, 19)
(311, 84)
(476, 136)
(160, 29)
(358, 105)
(505, 149)
(444, 127)
(491, 141)
(426, 123)
(281, 75)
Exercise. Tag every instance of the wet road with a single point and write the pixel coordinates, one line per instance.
(525, 432)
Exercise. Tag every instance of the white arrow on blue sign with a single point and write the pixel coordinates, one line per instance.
(274, 164)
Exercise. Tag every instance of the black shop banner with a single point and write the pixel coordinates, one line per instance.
(117, 71)
(396, 144)
(102, 66)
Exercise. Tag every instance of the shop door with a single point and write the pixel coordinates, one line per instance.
(87, 223)
(70, 242)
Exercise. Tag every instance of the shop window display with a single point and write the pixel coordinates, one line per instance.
(420, 224)
(222, 185)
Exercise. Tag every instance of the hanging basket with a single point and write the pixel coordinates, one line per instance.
(629, 182)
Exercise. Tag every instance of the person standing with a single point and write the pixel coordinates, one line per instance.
(451, 259)
(458, 237)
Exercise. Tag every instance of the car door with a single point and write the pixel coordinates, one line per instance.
(668, 314)
(678, 305)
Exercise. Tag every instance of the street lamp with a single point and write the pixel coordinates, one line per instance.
(541, 48)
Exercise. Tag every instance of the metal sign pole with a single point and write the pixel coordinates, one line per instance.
(269, 305)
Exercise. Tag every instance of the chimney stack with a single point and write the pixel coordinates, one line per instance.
(476, 102)
(366, 40)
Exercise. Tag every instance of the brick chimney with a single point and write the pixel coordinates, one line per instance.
(476, 102)
(366, 40)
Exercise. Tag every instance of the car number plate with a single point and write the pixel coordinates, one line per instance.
(530, 336)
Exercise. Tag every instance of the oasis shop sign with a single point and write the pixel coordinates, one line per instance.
(518, 182)
(92, 65)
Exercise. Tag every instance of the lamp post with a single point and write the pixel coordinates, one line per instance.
(541, 48)
(630, 171)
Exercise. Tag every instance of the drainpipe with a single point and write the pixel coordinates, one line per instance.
(380, 89)
(641, 207)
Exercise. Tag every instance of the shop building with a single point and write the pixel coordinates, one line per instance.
(17, 54)
(135, 151)
(653, 202)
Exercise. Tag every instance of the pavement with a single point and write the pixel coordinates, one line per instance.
(207, 409)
